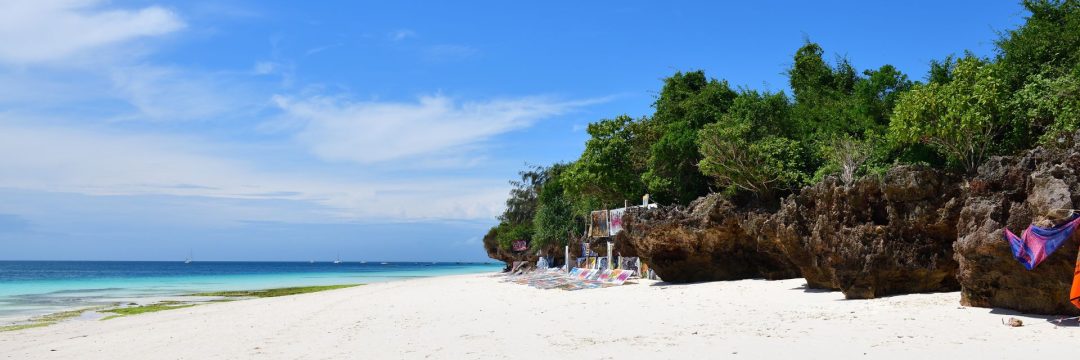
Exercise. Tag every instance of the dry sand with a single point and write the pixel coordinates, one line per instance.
(479, 317)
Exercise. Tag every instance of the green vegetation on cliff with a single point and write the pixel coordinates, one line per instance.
(757, 146)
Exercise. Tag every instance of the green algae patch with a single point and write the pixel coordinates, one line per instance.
(275, 292)
(23, 326)
(49, 319)
(135, 310)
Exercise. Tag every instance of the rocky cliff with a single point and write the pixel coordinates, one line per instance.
(876, 237)
(703, 242)
(915, 229)
(491, 246)
(1014, 192)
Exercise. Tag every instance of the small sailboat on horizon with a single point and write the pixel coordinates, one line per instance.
(338, 260)
(188, 260)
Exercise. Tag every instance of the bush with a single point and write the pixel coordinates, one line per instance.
(964, 119)
(747, 150)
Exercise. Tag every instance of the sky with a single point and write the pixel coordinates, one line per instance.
(369, 130)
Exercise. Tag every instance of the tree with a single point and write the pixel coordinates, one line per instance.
(554, 218)
(824, 101)
(515, 223)
(749, 150)
(1050, 106)
(609, 170)
(521, 205)
(876, 95)
(837, 111)
(686, 103)
(964, 119)
(847, 156)
(1048, 42)
(672, 175)
(1040, 61)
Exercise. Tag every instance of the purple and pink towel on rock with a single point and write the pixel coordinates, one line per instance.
(1035, 244)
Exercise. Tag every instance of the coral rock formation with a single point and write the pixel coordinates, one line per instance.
(1016, 191)
(704, 242)
(875, 237)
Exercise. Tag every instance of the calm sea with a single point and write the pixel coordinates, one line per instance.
(29, 288)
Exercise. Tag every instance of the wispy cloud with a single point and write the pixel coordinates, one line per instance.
(372, 132)
(53, 159)
(51, 30)
(319, 49)
(264, 67)
(165, 93)
(401, 34)
(67, 74)
(60, 55)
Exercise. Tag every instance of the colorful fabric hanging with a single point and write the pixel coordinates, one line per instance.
(615, 217)
(598, 226)
(1074, 295)
(1035, 244)
(520, 245)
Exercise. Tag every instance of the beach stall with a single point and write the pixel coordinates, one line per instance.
(598, 243)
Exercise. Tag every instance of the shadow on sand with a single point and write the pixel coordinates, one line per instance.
(1056, 320)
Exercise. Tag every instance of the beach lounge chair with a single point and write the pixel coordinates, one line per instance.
(621, 278)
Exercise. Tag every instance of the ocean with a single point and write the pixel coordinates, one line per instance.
(30, 288)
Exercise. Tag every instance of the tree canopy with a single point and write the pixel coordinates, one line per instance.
(704, 135)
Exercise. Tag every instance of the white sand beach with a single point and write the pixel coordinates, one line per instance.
(479, 317)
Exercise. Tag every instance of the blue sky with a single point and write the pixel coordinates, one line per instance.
(274, 130)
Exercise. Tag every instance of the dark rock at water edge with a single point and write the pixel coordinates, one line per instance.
(876, 237)
(1014, 192)
(706, 241)
(553, 252)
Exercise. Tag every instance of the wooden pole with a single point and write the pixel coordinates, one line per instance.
(609, 255)
(567, 257)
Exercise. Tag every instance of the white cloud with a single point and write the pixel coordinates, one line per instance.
(372, 132)
(319, 49)
(166, 93)
(57, 55)
(264, 68)
(99, 163)
(55, 30)
(401, 34)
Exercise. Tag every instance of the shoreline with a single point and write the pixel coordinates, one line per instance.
(155, 304)
(478, 316)
(23, 301)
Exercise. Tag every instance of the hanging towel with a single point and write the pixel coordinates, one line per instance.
(1035, 244)
(1074, 295)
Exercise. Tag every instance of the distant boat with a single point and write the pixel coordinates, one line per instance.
(188, 260)
(382, 263)
(363, 262)
(338, 261)
(311, 262)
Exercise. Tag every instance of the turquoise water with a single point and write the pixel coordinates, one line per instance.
(29, 288)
